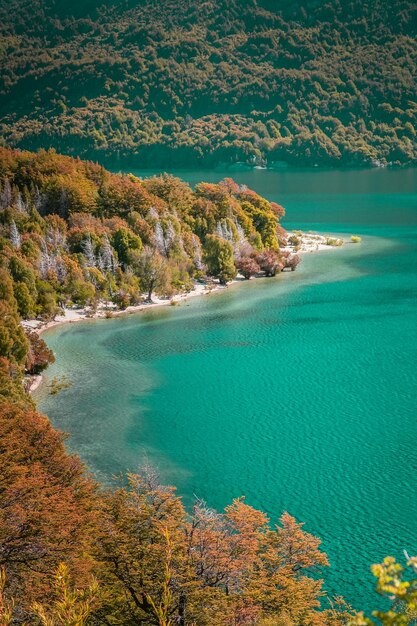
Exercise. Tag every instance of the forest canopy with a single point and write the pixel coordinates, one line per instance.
(166, 83)
(72, 233)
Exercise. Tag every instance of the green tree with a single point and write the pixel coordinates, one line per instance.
(124, 242)
(82, 292)
(22, 272)
(13, 343)
(218, 256)
(25, 302)
(47, 299)
(152, 270)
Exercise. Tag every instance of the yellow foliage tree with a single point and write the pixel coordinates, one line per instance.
(71, 606)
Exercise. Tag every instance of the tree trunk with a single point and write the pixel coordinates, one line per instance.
(151, 286)
(181, 610)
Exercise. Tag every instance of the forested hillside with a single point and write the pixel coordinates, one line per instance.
(73, 233)
(188, 83)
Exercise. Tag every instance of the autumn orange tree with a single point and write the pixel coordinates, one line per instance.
(163, 565)
(46, 505)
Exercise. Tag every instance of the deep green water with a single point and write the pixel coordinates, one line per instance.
(298, 392)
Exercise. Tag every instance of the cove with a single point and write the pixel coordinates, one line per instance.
(298, 392)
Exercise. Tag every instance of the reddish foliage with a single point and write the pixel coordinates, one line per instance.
(46, 502)
(39, 355)
(248, 267)
(269, 262)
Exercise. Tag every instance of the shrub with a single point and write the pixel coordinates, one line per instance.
(333, 241)
(294, 240)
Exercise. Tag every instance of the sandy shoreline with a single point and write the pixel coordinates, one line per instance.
(309, 243)
(107, 310)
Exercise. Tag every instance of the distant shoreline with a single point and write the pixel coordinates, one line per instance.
(309, 243)
(125, 163)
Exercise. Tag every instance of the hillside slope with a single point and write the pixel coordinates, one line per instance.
(73, 233)
(167, 83)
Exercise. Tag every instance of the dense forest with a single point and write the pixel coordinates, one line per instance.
(188, 83)
(71, 552)
(75, 234)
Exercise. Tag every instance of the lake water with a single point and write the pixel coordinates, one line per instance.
(298, 392)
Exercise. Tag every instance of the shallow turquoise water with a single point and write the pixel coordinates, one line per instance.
(299, 392)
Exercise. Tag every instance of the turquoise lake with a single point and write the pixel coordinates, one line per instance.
(298, 392)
